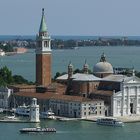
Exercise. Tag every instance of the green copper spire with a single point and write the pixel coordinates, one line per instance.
(43, 26)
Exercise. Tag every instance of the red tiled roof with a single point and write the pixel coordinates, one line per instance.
(47, 96)
(103, 92)
(20, 86)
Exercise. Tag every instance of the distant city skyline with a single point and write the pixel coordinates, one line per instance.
(71, 17)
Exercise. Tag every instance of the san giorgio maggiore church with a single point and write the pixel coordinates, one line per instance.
(80, 95)
(120, 93)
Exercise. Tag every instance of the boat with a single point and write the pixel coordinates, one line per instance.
(12, 117)
(109, 122)
(2, 53)
(1, 110)
(37, 130)
(63, 119)
(76, 48)
(23, 110)
(47, 115)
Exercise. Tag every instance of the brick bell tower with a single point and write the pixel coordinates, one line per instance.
(43, 55)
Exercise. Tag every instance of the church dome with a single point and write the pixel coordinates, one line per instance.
(103, 67)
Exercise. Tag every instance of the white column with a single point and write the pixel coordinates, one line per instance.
(128, 101)
(123, 101)
(136, 90)
(113, 103)
(49, 44)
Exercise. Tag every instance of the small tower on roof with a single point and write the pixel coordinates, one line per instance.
(133, 72)
(85, 67)
(103, 58)
(70, 70)
(43, 55)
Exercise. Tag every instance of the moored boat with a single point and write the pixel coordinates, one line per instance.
(109, 122)
(37, 130)
(10, 118)
(47, 115)
(1, 110)
(23, 110)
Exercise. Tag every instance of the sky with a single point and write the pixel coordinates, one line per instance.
(71, 17)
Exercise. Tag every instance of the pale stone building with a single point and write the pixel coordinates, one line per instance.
(127, 101)
(5, 94)
(64, 105)
(77, 107)
(120, 93)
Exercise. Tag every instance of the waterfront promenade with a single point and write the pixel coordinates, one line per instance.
(126, 119)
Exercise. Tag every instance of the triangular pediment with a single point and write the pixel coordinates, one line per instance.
(118, 93)
(133, 79)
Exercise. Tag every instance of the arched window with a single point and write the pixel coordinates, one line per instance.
(46, 44)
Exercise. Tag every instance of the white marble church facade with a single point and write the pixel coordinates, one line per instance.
(126, 102)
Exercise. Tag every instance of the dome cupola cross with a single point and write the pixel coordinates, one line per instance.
(103, 58)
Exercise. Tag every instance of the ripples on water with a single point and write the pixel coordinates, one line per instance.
(71, 130)
(24, 64)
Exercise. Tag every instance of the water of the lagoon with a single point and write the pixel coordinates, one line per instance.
(24, 64)
(72, 130)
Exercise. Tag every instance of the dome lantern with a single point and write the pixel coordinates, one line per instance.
(102, 68)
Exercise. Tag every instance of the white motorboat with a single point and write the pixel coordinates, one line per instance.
(63, 119)
(109, 121)
(23, 110)
(47, 115)
(12, 117)
(1, 110)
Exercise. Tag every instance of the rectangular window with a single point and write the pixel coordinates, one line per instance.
(84, 113)
(125, 101)
(118, 103)
(139, 101)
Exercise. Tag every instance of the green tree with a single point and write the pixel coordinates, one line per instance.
(2, 82)
(7, 48)
(57, 75)
(6, 75)
(6, 78)
(19, 79)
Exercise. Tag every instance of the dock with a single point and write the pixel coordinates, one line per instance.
(125, 119)
(129, 119)
(16, 121)
(66, 118)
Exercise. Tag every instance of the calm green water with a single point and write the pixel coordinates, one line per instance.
(75, 130)
(24, 64)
